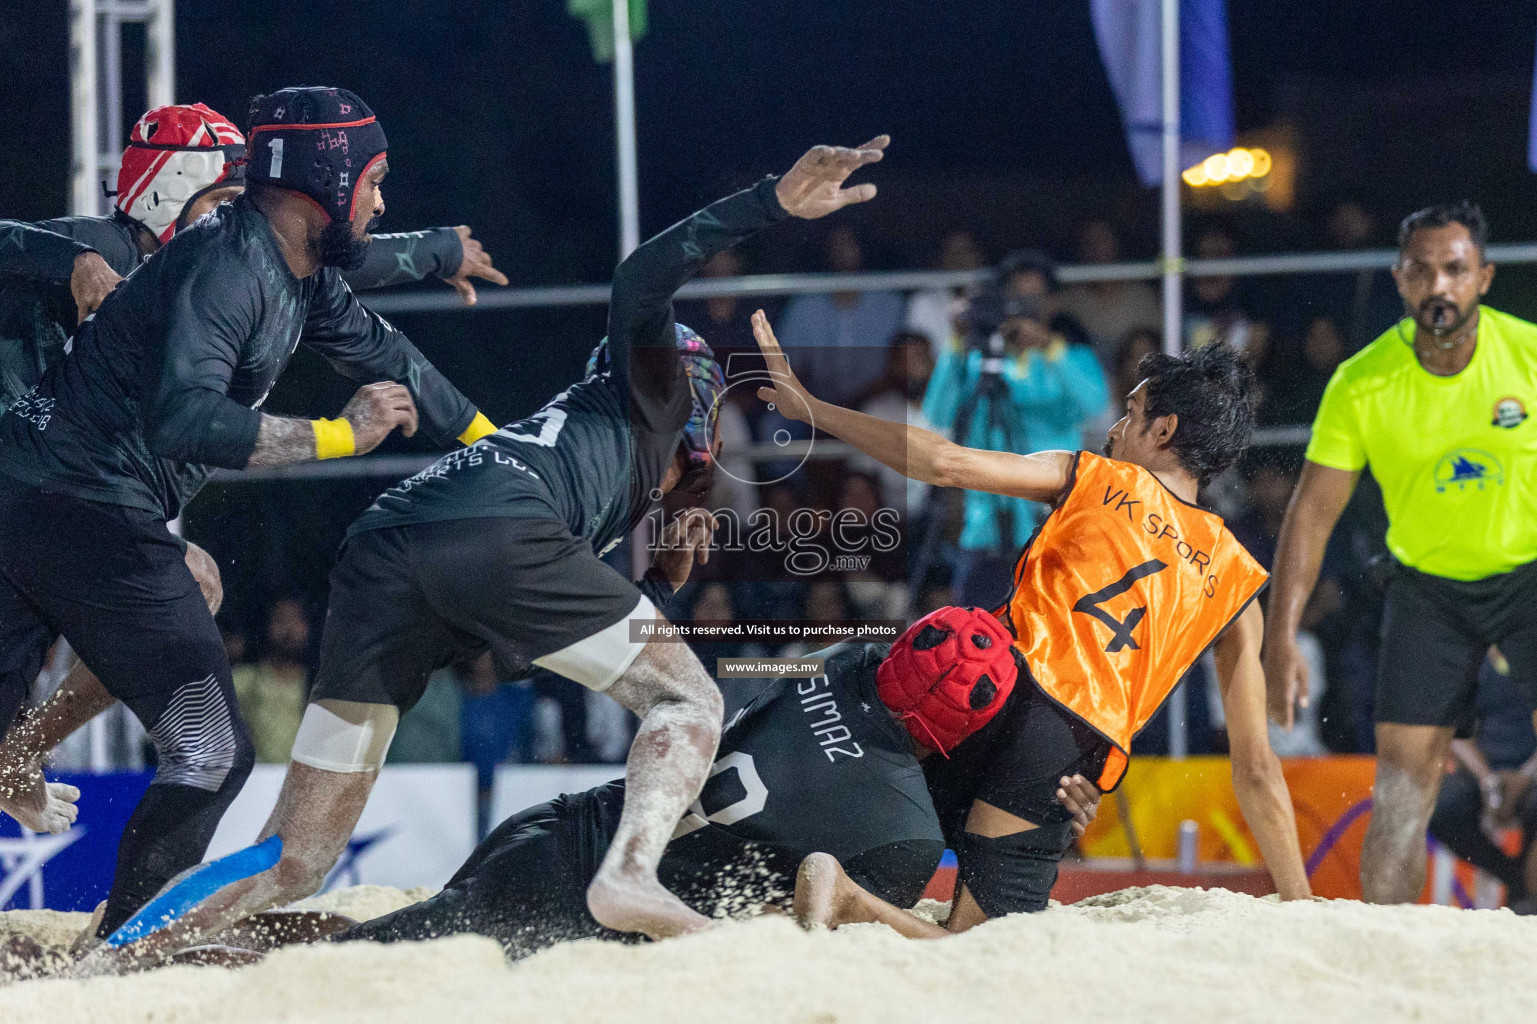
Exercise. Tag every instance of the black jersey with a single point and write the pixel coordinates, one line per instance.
(165, 380)
(811, 765)
(37, 260)
(595, 455)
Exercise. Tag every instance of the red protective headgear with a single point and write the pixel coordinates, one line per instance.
(174, 155)
(948, 675)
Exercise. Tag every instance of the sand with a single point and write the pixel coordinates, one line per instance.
(1156, 954)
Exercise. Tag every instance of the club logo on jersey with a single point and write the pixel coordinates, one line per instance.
(1468, 467)
(1509, 413)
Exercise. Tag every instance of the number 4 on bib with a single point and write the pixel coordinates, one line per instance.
(1120, 629)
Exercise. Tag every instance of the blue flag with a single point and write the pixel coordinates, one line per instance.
(1130, 38)
(1531, 140)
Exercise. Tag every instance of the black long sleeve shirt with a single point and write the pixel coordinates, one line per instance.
(594, 455)
(165, 380)
(37, 260)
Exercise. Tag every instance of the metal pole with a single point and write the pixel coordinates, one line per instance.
(1172, 261)
(110, 100)
(624, 124)
(1173, 267)
(82, 107)
(160, 54)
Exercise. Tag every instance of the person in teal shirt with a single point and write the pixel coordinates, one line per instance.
(1055, 388)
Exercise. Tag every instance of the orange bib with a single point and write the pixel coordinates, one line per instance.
(1121, 590)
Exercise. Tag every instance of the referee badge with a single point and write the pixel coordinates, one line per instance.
(1508, 413)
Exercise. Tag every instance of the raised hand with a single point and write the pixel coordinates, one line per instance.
(814, 186)
(376, 410)
(788, 394)
(685, 540)
(476, 262)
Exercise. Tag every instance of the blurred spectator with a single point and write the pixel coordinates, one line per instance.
(899, 398)
(722, 321)
(834, 339)
(1364, 303)
(1109, 310)
(1049, 390)
(1295, 385)
(1270, 487)
(495, 718)
(861, 493)
(1215, 307)
(429, 732)
(273, 692)
(1492, 788)
(932, 312)
(1124, 377)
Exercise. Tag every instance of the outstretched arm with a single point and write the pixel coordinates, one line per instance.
(912, 451)
(447, 253)
(640, 312)
(1257, 779)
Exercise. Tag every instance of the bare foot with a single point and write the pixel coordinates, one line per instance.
(273, 929)
(38, 804)
(23, 957)
(218, 956)
(629, 904)
(819, 895)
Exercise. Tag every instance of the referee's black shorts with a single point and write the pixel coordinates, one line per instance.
(1435, 634)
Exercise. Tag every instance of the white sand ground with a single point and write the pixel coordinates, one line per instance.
(1142, 955)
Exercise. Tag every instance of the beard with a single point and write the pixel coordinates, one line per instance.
(341, 249)
(1107, 450)
(1442, 317)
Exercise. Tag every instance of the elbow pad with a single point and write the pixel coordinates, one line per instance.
(1013, 873)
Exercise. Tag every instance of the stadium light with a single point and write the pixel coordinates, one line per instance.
(1236, 165)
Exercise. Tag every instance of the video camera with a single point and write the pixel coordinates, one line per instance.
(991, 305)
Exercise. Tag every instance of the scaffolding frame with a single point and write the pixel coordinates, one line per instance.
(96, 88)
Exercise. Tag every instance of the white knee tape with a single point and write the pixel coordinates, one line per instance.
(345, 735)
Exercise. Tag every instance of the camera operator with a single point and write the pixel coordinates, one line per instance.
(1014, 382)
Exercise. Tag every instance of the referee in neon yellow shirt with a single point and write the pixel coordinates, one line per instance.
(1438, 407)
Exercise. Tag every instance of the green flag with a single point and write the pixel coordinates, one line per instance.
(599, 15)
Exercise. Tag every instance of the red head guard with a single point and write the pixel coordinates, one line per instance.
(175, 154)
(948, 675)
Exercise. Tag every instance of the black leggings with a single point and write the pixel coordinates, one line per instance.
(113, 582)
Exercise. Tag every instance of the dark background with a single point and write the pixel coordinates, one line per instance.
(1000, 112)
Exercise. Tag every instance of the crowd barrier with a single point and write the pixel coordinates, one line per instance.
(421, 823)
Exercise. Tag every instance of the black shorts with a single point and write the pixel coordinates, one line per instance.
(525, 885)
(1015, 762)
(407, 600)
(114, 582)
(1435, 633)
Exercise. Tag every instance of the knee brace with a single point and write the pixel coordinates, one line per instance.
(1013, 873)
(345, 735)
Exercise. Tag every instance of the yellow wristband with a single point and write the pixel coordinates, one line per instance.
(333, 439)
(479, 427)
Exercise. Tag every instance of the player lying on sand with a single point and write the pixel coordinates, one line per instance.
(830, 763)
(499, 547)
(1123, 587)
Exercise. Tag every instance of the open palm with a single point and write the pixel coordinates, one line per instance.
(814, 186)
(787, 394)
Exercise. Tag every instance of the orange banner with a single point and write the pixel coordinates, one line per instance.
(1332, 797)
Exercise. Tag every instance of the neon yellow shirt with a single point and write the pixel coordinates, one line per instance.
(1455, 456)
